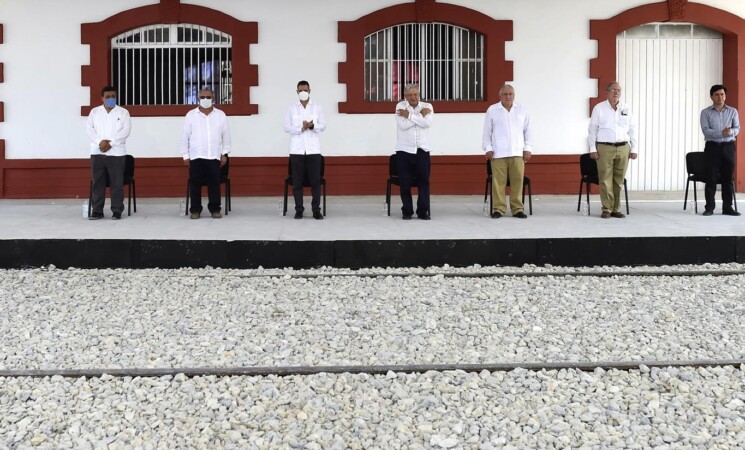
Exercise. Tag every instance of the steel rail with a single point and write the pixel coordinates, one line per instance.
(604, 274)
(284, 371)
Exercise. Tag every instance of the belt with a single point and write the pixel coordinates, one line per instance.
(613, 144)
(721, 144)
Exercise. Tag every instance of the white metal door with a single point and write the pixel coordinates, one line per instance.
(666, 71)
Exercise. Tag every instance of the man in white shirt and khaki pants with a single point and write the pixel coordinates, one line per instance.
(507, 144)
(612, 140)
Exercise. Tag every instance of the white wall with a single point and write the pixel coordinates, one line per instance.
(551, 51)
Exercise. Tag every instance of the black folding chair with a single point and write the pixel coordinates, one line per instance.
(129, 181)
(224, 179)
(589, 169)
(696, 168)
(488, 192)
(306, 183)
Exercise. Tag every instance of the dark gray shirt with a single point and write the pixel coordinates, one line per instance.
(713, 122)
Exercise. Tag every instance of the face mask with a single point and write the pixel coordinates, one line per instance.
(205, 103)
(110, 102)
(303, 96)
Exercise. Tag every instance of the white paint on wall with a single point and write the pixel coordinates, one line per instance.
(551, 51)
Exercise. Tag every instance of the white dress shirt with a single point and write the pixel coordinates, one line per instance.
(304, 142)
(113, 126)
(205, 136)
(609, 125)
(413, 132)
(507, 133)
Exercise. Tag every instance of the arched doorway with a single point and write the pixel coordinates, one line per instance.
(732, 28)
(666, 70)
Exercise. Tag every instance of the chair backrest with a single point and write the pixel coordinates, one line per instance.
(588, 167)
(225, 170)
(306, 181)
(129, 167)
(696, 164)
(392, 166)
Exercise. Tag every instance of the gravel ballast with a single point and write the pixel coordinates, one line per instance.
(66, 319)
(76, 319)
(638, 409)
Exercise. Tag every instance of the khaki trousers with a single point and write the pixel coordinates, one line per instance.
(612, 162)
(501, 168)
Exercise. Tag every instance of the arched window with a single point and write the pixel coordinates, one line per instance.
(158, 56)
(454, 53)
(446, 61)
(168, 64)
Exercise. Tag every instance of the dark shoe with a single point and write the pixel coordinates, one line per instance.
(520, 215)
(195, 215)
(95, 216)
(618, 215)
(298, 214)
(117, 216)
(708, 212)
(730, 212)
(317, 215)
(407, 217)
(496, 215)
(217, 215)
(424, 217)
(605, 215)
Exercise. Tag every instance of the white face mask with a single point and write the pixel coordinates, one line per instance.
(205, 103)
(303, 96)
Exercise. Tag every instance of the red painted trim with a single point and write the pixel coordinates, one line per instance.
(2, 119)
(98, 36)
(497, 69)
(346, 175)
(732, 27)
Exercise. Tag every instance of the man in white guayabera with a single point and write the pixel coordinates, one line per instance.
(413, 120)
(612, 141)
(304, 121)
(108, 127)
(205, 145)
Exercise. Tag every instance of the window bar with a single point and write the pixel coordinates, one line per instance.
(368, 70)
(483, 75)
(147, 73)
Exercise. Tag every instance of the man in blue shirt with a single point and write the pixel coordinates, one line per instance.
(720, 124)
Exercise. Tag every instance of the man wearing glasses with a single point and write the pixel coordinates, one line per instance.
(612, 142)
(720, 124)
(205, 144)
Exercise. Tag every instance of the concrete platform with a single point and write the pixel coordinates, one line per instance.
(356, 233)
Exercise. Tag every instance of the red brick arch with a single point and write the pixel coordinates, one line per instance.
(732, 27)
(497, 70)
(98, 36)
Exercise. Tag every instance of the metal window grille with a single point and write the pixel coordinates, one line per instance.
(445, 60)
(168, 64)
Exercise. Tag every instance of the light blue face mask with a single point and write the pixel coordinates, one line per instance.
(110, 102)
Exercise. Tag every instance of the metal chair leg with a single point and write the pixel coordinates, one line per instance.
(284, 211)
(579, 197)
(324, 198)
(685, 199)
(388, 196)
(626, 193)
(186, 209)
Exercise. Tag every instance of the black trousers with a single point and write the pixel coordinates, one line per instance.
(306, 167)
(411, 167)
(720, 165)
(204, 172)
(103, 166)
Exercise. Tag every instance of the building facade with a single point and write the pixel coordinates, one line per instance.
(55, 57)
